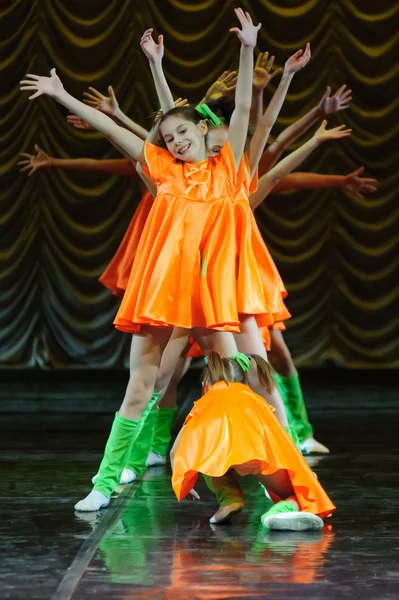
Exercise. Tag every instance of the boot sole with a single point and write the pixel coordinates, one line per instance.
(297, 521)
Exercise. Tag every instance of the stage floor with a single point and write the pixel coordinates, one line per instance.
(146, 545)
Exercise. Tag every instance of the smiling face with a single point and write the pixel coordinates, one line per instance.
(216, 138)
(184, 139)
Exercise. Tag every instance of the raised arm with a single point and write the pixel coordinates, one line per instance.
(40, 160)
(110, 106)
(154, 52)
(262, 75)
(53, 87)
(289, 163)
(328, 105)
(352, 182)
(240, 118)
(264, 127)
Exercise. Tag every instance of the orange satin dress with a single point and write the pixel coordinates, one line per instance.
(116, 275)
(183, 273)
(254, 257)
(232, 427)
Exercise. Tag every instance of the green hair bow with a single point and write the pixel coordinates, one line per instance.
(209, 116)
(243, 360)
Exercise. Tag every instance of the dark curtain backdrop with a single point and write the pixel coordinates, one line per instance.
(338, 254)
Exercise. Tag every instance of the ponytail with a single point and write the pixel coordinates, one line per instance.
(221, 369)
(265, 373)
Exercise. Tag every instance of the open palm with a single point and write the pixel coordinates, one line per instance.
(107, 104)
(323, 134)
(33, 162)
(51, 86)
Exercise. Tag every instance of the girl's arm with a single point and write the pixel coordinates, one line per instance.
(41, 160)
(328, 105)
(110, 106)
(291, 162)
(52, 86)
(311, 181)
(261, 77)
(240, 118)
(154, 52)
(264, 127)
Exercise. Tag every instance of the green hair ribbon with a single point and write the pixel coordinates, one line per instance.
(243, 360)
(209, 116)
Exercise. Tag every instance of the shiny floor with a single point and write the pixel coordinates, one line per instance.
(146, 545)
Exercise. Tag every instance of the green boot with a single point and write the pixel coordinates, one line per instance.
(142, 445)
(291, 393)
(128, 475)
(228, 494)
(162, 431)
(292, 433)
(122, 435)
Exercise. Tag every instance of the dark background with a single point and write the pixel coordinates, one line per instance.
(338, 255)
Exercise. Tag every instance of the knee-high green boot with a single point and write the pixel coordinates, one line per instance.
(123, 433)
(291, 393)
(162, 431)
(142, 445)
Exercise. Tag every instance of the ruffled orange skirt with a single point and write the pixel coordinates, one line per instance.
(232, 427)
(116, 275)
(184, 270)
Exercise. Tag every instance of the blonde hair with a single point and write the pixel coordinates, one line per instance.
(227, 369)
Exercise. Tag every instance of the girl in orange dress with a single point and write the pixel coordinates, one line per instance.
(189, 234)
(232, 430)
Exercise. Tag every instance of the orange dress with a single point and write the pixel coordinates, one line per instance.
(232, 427)
(116, 275)
(183, 273)
(272, 285)
(254, 258)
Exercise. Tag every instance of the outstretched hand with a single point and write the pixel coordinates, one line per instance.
(154, 52)
(224, 86)
(51, 86)
(339, 101)
(298, 60)
(323, 134)
(79, 123)
(249, 32)
(263, 71)
(106, 104)
(33, 162)
(359, 185)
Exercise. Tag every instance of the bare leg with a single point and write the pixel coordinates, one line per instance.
(290, 388)
(279, 355)
(249, 341)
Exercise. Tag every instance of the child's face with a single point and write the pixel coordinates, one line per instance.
(184, 139)
(215, 139)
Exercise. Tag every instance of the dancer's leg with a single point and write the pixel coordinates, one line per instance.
(162, 433)
(145, 357)
(286, 515)
(289, 385)
(249, 341)
(229, 495)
